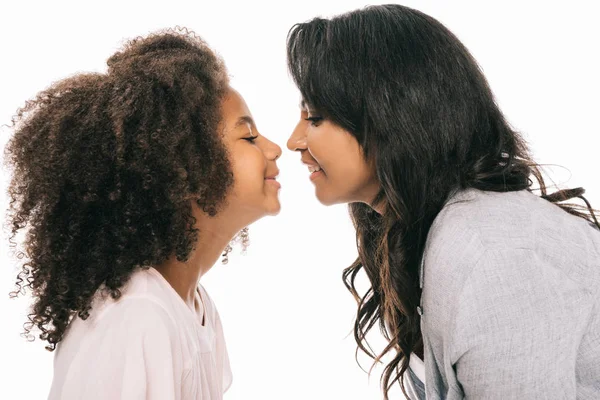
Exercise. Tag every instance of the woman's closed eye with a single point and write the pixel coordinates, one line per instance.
(314, 120)
(250, 138)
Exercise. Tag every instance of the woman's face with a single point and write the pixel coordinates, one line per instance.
(255, 191)
(335, 161)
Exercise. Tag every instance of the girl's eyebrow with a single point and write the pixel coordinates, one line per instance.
(244, 120)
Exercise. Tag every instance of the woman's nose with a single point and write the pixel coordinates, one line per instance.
(297, 140)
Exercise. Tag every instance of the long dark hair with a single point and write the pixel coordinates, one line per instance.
(415, 99)
(105, 167)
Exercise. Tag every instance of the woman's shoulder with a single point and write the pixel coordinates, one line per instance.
(490, 231)
(487, 212)
(473, 221)
(508, 220)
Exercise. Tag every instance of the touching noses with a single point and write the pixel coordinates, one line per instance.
(297, 140)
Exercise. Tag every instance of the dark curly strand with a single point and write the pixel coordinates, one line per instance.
(104, 170)
(422, 111)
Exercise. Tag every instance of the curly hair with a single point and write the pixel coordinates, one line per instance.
(105, 168)
(422, 111)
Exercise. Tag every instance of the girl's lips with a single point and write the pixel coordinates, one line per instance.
(273, 181)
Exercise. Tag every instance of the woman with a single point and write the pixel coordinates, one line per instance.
(129, 185)
(494, 287)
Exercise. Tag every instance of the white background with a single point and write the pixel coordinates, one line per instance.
(286, 313)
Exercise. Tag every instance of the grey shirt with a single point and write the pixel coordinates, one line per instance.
(511, 300)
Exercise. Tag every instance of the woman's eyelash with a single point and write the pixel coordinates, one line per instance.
(314, 120)
(251, 139)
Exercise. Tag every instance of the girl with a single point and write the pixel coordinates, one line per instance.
(494, 287)
(129, 185)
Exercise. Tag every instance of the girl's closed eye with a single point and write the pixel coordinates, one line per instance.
(250, 138)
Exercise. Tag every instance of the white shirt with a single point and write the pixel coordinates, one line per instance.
(147, 345)
(417, 366)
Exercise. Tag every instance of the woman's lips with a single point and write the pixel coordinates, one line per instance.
(314, 169)
(314, 175)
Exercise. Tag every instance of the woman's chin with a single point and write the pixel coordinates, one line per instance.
(326, 198)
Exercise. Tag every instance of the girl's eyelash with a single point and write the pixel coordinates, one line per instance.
(251, 139)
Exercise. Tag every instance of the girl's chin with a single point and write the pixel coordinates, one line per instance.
(274, 209)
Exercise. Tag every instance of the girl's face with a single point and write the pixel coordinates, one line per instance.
(255, 191)
(334, 159)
